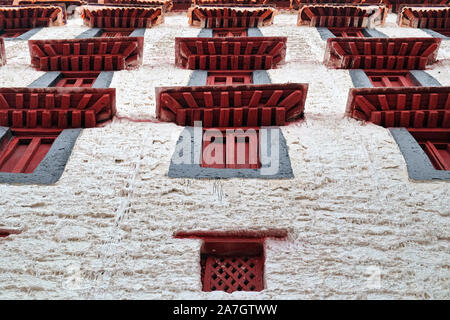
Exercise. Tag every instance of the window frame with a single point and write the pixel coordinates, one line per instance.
(229, 77)
(251, 147)
(432, 141)
(230, 32)
(404, 77)
(81, 79)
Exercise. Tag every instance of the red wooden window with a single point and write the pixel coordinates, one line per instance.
(228, 78)
(231, 32)
(60, 108)
(347, 32)
(232, 266)
(23, 153)
(439, 153)
(77, 79)
(340, 15)
(231, 149)
(12, 33)
(233, 273)
(436, 144)
(232, 260)
(390, 79)
(115, 33)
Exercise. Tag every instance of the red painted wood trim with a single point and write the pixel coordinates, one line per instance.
(30, 17)
(436, 144)
(410, 107)
(246, 53)
(381, 53)
(341, 15)
(94, 54)
(56, 108)
(122, 17)
(216, 106)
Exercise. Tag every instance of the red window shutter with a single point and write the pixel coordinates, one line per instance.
(115, 34)
(436, 144)
(438, 153)
(75, 82)
(235, 150)
(232, 260)
(215, 158)
(233, 273)
(229, 78)
(22, 154)
(390, 79)
(77, 79)
(242, 151)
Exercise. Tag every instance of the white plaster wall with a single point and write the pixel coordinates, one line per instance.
(105, 229)
(17, 72)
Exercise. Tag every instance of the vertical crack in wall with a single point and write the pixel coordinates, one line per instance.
(111, 248)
